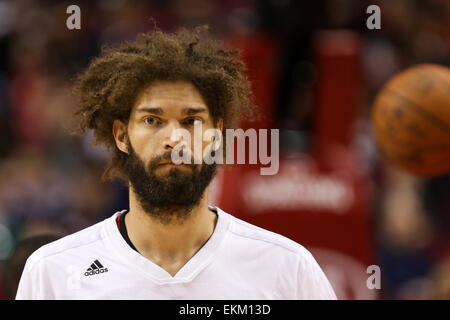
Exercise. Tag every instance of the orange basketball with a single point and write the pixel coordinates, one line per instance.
(411, 120)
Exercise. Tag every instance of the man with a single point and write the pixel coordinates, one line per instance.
(170, 244)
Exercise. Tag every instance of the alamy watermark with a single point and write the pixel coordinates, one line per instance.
(374, 280)
(374, 20)
(74, 20)
(214, 153)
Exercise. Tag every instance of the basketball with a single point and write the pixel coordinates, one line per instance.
(411, 120)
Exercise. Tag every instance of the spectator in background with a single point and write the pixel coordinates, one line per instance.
(14, 265)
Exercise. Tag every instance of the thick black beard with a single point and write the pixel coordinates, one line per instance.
(170, 197)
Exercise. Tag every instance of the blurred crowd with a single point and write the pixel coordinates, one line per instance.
(50, 180)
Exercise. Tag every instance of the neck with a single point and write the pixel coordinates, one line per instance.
(169, 241)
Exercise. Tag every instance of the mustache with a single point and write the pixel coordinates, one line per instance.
(166, 156)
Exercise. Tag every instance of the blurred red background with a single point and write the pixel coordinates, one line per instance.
(315, 69)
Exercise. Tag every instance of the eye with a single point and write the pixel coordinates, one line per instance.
(151, 121)
(192, 121)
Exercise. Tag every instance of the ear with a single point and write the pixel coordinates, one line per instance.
(220, 128)
(120, 135)
(220, 124)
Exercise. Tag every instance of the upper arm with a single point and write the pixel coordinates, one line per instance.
(28, 286)
(312, 281)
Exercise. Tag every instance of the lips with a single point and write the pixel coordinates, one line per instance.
(169, 163)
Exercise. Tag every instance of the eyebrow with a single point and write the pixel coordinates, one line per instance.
(185, 111)
(157, 111)
(192, 111)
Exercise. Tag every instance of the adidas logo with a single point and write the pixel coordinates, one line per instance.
(95, 268)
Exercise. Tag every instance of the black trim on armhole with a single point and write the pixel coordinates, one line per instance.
(123, 231)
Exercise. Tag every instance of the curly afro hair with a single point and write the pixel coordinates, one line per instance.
(107, 89)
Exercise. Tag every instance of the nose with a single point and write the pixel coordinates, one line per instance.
(172, 135)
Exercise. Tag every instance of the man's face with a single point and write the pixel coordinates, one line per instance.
(165, 190)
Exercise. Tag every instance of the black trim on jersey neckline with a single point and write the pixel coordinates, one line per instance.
(124, 233)
(123, 230)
